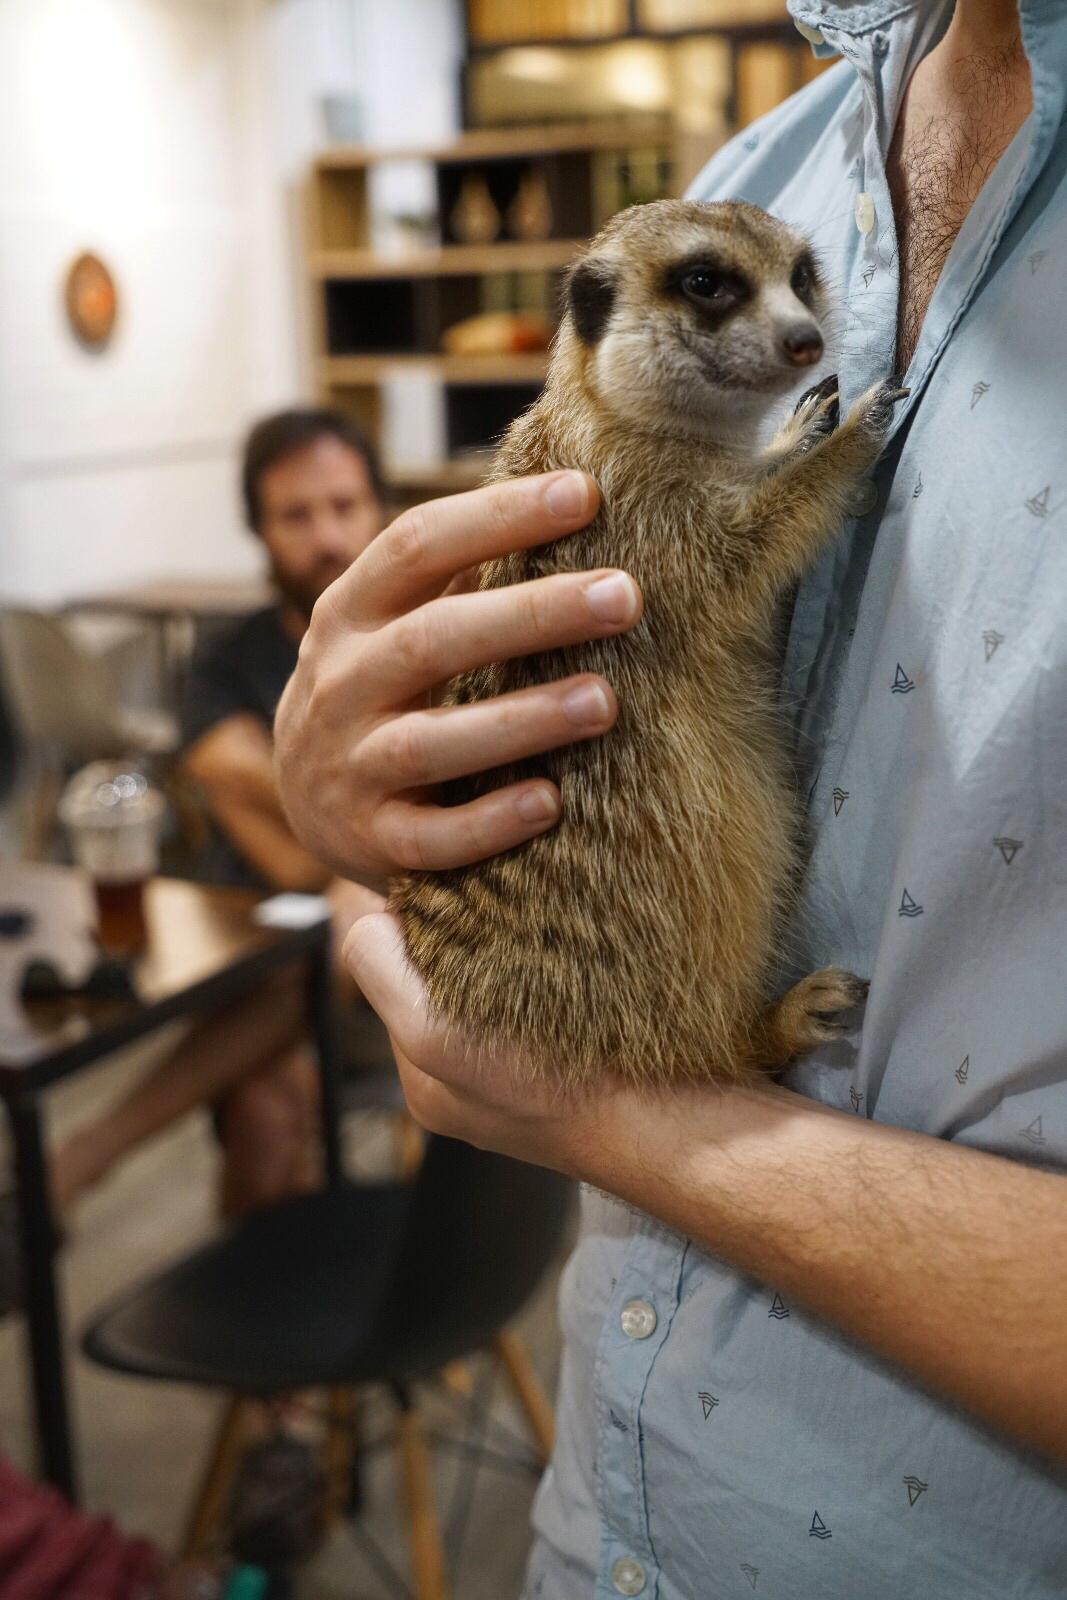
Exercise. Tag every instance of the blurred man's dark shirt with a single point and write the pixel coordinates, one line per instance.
(239, 672)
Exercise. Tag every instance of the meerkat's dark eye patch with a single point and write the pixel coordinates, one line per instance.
(590, 296)
(805, 277)
(712, 288)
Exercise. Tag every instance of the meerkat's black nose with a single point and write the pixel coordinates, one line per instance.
(803, 344)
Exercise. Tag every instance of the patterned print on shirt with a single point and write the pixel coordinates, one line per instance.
(708, 1402)
(1037, 505)
(977, 392)
(918, 489)
(750, 1572)
(818, 1529)
(1033, 1132)
(963, 1070)
(868, 276)
(839, 797)
(1035, 259)
(909, 907)
(855, 1097)
(779, 1310)
(902, 684)
(915, 1487)
(617, 1422)
(1009, 848)
(992, 641)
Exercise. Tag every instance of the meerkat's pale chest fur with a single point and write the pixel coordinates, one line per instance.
(638, 938)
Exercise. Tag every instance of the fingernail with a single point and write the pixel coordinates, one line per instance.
(568, 495)
(587, 706)
(613, 599)
(537, 805)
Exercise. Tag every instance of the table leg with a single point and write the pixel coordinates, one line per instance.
(320, 1004)
(38, 1241)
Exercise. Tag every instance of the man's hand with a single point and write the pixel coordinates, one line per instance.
(450, 1087)
(358, 746)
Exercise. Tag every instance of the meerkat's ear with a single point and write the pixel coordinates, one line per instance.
(590, 297)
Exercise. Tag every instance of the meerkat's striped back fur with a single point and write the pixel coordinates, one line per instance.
(638, 937)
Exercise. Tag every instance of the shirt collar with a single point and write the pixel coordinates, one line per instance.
(1044, 24)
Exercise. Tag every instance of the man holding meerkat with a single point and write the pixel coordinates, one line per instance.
(815, 1348)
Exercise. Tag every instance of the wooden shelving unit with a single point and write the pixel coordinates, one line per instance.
(379, 316)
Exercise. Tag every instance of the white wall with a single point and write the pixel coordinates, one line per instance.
(172, 137)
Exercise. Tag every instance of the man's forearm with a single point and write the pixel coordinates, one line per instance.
(947, 1261)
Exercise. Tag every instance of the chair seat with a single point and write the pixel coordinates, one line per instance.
(351, 1284)
(291, 1297)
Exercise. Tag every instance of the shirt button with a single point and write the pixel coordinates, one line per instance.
(812, 35)
(864, 498)
(864, 213)
(628, 1576)
(638, 1321)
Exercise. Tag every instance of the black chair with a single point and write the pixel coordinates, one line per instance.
(382, 1284)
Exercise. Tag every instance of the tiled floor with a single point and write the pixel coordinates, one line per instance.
(143, 1444)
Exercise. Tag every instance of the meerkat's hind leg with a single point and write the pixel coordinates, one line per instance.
(809, 1013)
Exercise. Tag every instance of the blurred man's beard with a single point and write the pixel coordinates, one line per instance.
(304, 591)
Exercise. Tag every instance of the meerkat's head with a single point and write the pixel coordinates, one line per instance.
(692, 318)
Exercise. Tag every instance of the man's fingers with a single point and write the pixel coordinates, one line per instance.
(418, 554)
(459, 632)
(429, 747)
(433, 838)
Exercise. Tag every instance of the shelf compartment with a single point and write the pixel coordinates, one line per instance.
(476, 415)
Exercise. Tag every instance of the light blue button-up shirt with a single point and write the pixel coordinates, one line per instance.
(715, 1440)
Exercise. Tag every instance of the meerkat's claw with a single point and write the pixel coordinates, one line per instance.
(880, 407)
(818, 391)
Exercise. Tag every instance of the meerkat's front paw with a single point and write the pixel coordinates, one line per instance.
(873, 411)
(815, 416)
(809, 1013)
(820, 404)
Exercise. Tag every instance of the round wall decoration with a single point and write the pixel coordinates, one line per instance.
(92, 299)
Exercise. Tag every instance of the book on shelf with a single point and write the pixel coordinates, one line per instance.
(514, 21)
(667, 15)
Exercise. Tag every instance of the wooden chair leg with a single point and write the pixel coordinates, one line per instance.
(509, 1350)
(427, 1552)
(338, 1450)
(210, 1503)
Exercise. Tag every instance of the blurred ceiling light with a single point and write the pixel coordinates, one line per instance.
(637, 76)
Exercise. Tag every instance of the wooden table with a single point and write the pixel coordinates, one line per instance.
(203, 949)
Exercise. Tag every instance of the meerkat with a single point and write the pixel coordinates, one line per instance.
(638, 938)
